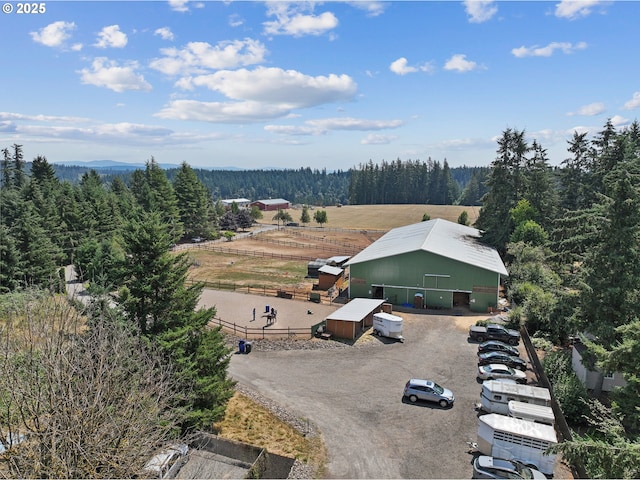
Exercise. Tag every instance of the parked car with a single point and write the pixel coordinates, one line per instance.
(494, 332)
(498, 346)
(504, 358)
(497, 370)
(491, 467)
(417, 389)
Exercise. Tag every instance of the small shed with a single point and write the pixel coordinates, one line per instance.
(350, 320)
(313, 267)
(328, 276)
(592, 378)
(272, 204)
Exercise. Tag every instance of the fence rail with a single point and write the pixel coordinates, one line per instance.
(264, 332)
(562, 427)
(267, 291)
(350, 249)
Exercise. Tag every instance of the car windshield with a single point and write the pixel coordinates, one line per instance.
(524, 472)
(438, 389)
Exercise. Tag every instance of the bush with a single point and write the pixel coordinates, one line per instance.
(569, 391)
(572, 396)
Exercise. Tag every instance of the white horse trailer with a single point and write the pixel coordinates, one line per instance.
(532, 412)
(495, 396)
(515, 439)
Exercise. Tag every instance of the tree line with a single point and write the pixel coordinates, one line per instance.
(571, 239)
(95, 389)
(387, 182)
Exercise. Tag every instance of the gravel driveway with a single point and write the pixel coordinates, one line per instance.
(354, 396)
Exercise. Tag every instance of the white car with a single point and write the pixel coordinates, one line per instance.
(495, 371)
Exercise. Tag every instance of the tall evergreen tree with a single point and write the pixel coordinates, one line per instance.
(194, 203)
(164, 308)
(504, 187)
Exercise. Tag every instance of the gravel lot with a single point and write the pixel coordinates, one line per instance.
(354, 397)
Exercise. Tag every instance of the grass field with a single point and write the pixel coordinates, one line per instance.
(385, 217)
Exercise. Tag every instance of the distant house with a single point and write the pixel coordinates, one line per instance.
(590, 378)
(241, 202)
(272, 204)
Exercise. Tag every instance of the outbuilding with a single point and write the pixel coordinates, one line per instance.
(272, 204)
(350, 320)
(328, 276)
(432, 264)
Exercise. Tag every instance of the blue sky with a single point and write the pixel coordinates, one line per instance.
(312, 84)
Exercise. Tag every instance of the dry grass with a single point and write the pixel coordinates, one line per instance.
(386, 217)
(249, 422)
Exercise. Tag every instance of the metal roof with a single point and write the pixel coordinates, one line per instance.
(272, 201)
(331, 270)
(355, 310)
(525, 428)
(440, 237)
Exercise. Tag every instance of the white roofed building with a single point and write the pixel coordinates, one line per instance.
(432, 264)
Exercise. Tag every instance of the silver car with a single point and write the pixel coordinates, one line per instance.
(496, 370)
(491, 467)
(417, 389)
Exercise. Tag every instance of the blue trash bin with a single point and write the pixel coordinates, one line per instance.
(241, 345)
(267, 309)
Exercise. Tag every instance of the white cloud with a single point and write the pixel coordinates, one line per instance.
(459, 63)
(373, 8)
(633, 103)
(165, 33)
(179, 5)
(54, 34)
(589, 110)
(347, 123)
(619, 121)
(107, 73)
(402, 67)
(41, 118)
(480, 10)
(197, 57)
(111, 36)
(235, 20)
(293, 19)
(377, 139)
(222, 112)
(259, 95)
(573, 9)
(275, 85)
(325, 125)
(547, 51)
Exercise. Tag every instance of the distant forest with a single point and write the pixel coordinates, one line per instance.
(397, 182)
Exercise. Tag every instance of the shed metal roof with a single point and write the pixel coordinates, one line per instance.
(440, 237)
(331, 270)
(355, 310)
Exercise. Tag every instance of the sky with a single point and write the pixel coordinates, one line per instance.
(326, 85)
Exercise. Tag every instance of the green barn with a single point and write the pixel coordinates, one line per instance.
(433, 264)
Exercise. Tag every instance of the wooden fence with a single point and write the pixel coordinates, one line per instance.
(562, 427)
(263, 332)
(265, 291)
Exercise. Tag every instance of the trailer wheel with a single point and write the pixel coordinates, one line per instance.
(413, 398)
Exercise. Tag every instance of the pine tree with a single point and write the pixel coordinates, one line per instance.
(164, 308)
(194, 203)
